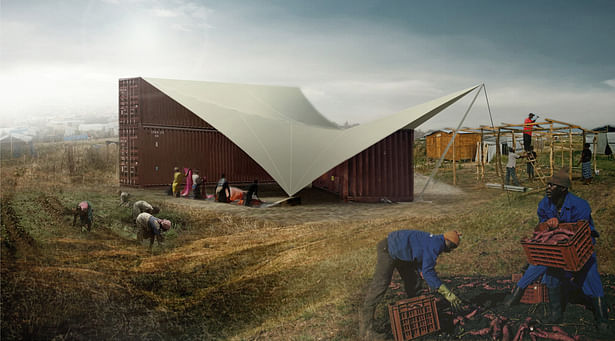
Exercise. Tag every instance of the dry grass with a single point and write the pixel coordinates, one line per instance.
(229, 272)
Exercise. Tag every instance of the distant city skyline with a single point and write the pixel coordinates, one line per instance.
(356, 61)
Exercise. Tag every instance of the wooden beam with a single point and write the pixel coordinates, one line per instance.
(498, 156)
(570, 161)
(454, 157)
(595, 140)
(551, 152)
(563, 123)
(482, 155)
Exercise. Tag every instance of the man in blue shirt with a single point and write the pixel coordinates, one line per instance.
(410, 252)
(557, 206)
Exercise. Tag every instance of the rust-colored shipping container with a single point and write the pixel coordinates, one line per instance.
(157, 133)
(464, 146)
(383, 171)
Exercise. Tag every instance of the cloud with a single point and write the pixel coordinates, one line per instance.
(610, 82)
(164, 13)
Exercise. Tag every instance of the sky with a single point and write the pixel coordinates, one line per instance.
(354, 60)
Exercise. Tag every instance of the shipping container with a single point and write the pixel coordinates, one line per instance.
(382, 171)
(157, 134)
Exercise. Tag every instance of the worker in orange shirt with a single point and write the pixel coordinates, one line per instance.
(527, 131)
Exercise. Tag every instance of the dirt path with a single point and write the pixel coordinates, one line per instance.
(318, 206)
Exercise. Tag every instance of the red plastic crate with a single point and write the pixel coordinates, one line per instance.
(534, 293)
(414, 317)
(570, 256)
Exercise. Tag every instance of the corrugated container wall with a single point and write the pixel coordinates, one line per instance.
(465, 145)
(384, 170)
(157, 133)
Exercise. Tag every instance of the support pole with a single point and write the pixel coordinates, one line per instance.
(499, 157)
(498, 154)
(454, 157)
(570, 161)
(433, 173)
(482, 155)
(594, 153)
(552, 151)
(478, 161)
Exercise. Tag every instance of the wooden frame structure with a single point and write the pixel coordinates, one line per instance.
(553, 135)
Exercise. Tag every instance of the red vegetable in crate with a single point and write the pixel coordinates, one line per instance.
(552, 237)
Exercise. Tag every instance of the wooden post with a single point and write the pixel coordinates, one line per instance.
(514, 143)
(552, 151)
(595, 140)
(454, 157)
(477, 161)
(482, 155)
(499, 157)
(570, 161)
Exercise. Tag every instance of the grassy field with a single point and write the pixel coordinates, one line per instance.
(229, 272)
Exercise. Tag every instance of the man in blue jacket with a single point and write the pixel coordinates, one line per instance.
(557, 206)
(410, 252)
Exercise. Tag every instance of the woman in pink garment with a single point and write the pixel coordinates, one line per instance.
(188, 187)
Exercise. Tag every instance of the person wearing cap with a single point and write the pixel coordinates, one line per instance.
(561, 206)
(151, 227)
(527, 131)
(143, 206)
(84, 211)
(410, 252)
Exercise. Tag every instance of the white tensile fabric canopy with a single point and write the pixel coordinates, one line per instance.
(281, 130)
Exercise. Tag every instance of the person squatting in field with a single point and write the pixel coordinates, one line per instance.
(124, 199)
(143, 206)
(410, 252)
(151, 227)
(561, 206)
(83, 210)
